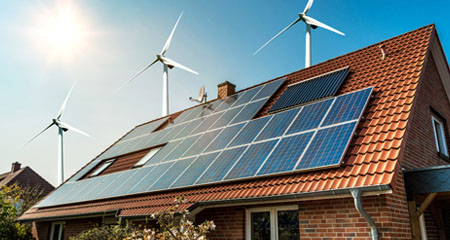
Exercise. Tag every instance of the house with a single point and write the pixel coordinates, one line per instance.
(355, 147)
(25, 177)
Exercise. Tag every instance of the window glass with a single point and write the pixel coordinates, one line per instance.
(101, 168)
(260, 225)
(439, 135)
(147, 157)
(57, 231)
(288, 225)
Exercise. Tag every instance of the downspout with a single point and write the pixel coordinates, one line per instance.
(356, 193)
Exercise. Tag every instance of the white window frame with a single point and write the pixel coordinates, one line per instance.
(60, 233)
(273, 219)
(102, 168)
(148, 156)
(441, 130)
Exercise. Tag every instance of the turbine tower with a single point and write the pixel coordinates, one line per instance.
(310, 23)
(167, 63)
(62, 127)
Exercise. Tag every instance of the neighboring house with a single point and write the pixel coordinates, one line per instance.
(25, 177)
(355, 147)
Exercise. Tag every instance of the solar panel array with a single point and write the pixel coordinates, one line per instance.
(315, 88)
(265, 146)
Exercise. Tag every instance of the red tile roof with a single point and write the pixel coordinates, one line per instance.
(372, 159)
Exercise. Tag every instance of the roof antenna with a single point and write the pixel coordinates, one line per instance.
(202, 96)
(383, 52)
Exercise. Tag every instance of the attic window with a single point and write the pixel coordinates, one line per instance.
(439, 135)
(322, 86)
(148, 156)
(102, 168)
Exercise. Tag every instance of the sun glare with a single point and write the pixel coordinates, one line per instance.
(60, 31)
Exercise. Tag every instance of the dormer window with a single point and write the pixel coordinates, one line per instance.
(148, 156)
(102, 168)
(439, 135)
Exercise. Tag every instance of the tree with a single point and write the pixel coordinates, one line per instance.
(173, 225)
(9, 204)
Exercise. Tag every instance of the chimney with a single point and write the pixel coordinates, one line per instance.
(15, 167)
(225, 89)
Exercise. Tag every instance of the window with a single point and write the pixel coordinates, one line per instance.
(102, 168)
(272, 223)
(57, 231)
(147, 157)
(439, 135)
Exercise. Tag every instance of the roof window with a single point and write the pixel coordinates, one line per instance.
(148, 156)
(102, 168)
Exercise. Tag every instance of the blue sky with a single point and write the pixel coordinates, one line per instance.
(215, 38)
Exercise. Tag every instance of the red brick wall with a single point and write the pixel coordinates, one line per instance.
(76, 226)
(420, 148)
(230, 222)
(41, 230)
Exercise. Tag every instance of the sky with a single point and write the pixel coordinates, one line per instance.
(46, 46)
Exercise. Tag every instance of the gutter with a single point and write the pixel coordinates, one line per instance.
(72, 216)
(356, 194)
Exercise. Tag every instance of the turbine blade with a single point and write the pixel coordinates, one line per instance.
(63, 106)
(137, 74)
(169, 40)
(37, 135)
(312, 21)
(175, 64)
(65, 125)
(308, 6)
(282, 31)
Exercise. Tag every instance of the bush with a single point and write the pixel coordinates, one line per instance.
(173, 225)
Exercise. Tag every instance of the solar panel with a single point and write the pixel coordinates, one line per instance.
(286, 154)
(221, 165)
(250, 131)
(328, 147)
(251, 160)
(310, 116)
(84, 170)
(175, 170)
(202, 143)
(174, 131)
(348, 107)
(247, 96)
(228, 102)
(115, 182)
(249, 111)
(150, 178)
(181, 148)
(210, 120)
(211, 107)
(309, 90)
(226, 117)
(224, 137)
(145, 129)
(188, 129)
(269, 89)
(278, 125)
(257, 147)
(194, 112)
(133, 179)
(195, 170)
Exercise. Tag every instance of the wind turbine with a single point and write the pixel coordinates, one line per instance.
(62, 127)
(310, 23)
(202, 95)
(167, 63)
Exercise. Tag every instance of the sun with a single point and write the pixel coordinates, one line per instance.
(61, 30)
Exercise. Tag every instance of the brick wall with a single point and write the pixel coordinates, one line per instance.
(76, 226)
(230, 222)
(420, 148)
(41, 230)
